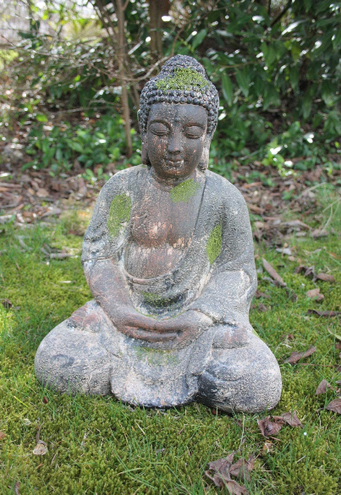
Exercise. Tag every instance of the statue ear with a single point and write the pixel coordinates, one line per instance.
(203, 164)
(144, 152)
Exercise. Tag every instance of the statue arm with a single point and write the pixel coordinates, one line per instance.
(227, 296)
(109, 288)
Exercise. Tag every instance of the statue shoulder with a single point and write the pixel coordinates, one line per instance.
(230, 196)
(122, 182)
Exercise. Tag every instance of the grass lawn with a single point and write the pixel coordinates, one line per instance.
(97, 445)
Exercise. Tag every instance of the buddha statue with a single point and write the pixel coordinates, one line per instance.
(169, 259)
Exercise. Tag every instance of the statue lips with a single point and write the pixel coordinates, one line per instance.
(174, 164)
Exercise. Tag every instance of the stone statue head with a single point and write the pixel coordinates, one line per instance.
(181, 82)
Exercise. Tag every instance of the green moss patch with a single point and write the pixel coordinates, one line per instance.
(214, 243)
(183, 79)
(119, 214)
(184, 191)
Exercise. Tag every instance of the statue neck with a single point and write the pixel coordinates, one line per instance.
(170, 182)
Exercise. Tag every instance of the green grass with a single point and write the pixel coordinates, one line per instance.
(100, 446)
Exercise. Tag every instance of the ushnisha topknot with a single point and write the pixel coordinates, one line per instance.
(181, 80)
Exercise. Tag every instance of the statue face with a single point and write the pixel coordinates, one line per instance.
(176, 137)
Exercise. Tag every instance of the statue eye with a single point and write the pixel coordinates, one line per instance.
(194, 132)
(159, 129)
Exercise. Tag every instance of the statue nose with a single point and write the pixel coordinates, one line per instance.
(174, 145)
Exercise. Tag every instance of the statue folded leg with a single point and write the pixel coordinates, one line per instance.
(245, 378)
(71, 357)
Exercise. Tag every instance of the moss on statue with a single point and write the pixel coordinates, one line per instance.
(214, 243)
(119, 214)
(184, 191)
(154, 299)
(155, 356)
(183, 79)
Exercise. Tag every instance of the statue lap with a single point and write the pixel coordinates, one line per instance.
(74, 358)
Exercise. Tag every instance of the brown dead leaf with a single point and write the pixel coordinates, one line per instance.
(317, 233)
(40, 448)
(296, 224)
(289, 336)
(337, 345)
(324, 314)
(45, 400)
(315, 294)
(291, 419)
(335, 406)
(322, 388)
(61, 256)
(296, 356)
(261, 294)
(273, 274)
(308, 271)
(222, 477)
(242, 469)
(2, 435)
(7, 303)
(325, 277)
(16, 487)
(42, 193)
(256, 209)
(270, 428)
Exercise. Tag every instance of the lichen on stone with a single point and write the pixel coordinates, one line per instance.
(214, 243)
(183, 79)
(184, 191)
(119, 214)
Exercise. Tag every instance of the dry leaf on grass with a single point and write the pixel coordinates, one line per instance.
(16, 488)
(7, 303)
(296, 356)
(291, 419)
(315, 294)
(309, 271)
(40, 448)
(242, 469)
(335, 406)
(2, 435)
(273, 274)
(324, 314)
(270, 428)
(325, 277)
(322, 388)
(223, 469)
(296, 223)
(260, 294)
(319, 233)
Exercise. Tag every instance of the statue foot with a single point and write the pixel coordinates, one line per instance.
(244, 379)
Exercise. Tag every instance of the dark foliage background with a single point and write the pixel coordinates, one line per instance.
(69, 96)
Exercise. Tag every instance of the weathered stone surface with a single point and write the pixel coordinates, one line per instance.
(168, 256)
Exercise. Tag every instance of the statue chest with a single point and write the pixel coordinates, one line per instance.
(157, 220)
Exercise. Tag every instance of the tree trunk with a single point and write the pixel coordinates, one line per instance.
(121, 58)
(157, 9)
